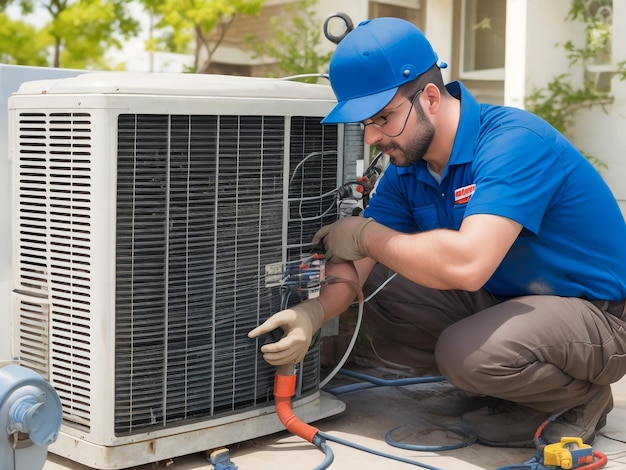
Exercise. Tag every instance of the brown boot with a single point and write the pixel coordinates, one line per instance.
(504, 424)
(582, 421)
(508, 424)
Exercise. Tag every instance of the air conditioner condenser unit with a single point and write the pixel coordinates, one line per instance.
(148, 209)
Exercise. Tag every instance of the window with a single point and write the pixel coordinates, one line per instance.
(483, 24)
(409, 10)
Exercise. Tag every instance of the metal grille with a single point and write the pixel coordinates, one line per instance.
(200, 209)
(53, 200)
(313, 179)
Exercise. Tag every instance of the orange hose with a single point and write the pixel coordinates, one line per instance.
(284, 389)
(600, 463)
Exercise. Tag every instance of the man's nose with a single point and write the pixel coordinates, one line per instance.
(372, 135)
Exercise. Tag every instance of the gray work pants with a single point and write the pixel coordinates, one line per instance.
(546, 352)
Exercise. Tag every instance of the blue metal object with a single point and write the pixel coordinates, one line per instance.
(30, 415)
(221, 460)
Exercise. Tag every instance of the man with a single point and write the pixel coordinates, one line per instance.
(509, 247)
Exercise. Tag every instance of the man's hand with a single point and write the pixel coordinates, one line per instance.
(299, 324)
(343, 240)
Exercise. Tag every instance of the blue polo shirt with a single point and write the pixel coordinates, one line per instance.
(510, 163)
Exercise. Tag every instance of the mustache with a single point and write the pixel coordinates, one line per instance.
(385, 148)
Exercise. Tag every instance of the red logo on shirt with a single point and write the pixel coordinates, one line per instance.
(462, 195)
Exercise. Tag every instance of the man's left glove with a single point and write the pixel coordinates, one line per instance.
(299, 323)
(343, 239)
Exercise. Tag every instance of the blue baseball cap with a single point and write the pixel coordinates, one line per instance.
(371, 62)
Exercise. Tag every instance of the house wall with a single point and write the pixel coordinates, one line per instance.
(536, 31)
(438, 27)
(233, 56)
(599, 131)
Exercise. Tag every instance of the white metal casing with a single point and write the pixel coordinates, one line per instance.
(65, 145)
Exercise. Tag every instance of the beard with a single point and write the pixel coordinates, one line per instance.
(417, 146)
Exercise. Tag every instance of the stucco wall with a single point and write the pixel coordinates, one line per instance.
(536, 32)
(600, 131)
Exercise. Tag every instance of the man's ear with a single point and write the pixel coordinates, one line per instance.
(432, 93)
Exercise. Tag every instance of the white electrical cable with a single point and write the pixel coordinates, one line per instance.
(345, 356)
(381, 287)
(355, 334)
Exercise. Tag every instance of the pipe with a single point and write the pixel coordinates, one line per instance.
(284, 389)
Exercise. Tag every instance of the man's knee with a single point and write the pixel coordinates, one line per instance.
(455, 356)
(446, 354)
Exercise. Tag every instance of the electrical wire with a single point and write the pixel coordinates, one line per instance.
(303, 199)
(281, 402)
(357, 327)
(305, 75)
(601, 458)
(377, 382)
(289, 282)
(284, 389)
(313, 198)
(381, 287)
(537, 461)
(369, 381)
(318, 438)
(303, 161)
(342, 193)
(302, 218)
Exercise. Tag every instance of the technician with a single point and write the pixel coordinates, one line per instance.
(510, 248)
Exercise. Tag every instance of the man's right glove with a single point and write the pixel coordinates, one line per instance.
(343, 239)
(299, 323)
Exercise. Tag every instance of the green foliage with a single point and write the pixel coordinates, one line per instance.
(294, 47)
(79, 33)
(560, 101)
(596, 17)
(203, 23)
(21, 43)
(86, 29)
(26, 6)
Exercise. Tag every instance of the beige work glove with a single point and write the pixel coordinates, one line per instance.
(343, 240)
(299, 324)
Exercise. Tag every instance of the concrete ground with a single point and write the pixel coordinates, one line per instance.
(418, 414)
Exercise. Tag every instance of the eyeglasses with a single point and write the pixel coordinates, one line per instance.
(380, 122)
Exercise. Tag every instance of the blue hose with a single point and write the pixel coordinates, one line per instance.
(320, 443)
(371, 382)
(374, 451)
(466, 438)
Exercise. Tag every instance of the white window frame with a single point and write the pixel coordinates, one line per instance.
(485, 74)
